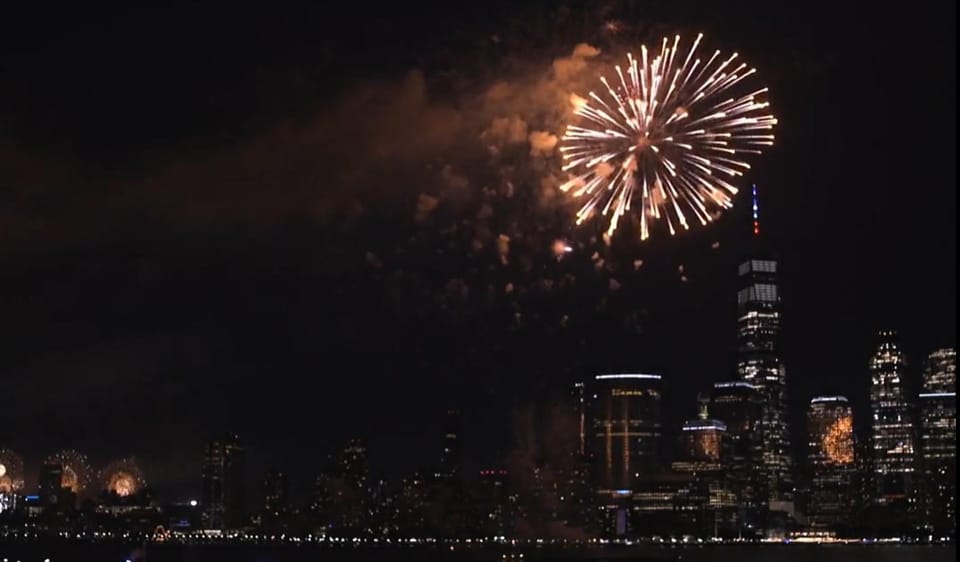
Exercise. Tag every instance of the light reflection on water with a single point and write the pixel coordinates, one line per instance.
(792, 553)
(767, 553)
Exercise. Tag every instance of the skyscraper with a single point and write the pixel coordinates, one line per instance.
(452, 457)
(894, 454)
(493, 503)
(940, 374)
(275, 493)
(704, 445)
(701, 441)
(831, 458)
(223, 483)
(354, 471)
(353, 463)
(573, 460)
(938, 411)
(626, 428)
(759, 363)
(51, 490)
(578, 400)
(324, 498)
(739, 406)
(625, 441)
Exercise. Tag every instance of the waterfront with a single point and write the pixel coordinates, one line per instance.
(225, 553)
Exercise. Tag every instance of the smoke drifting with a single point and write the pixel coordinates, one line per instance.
(375, 142)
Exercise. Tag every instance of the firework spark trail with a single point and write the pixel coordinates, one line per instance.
(669, 134)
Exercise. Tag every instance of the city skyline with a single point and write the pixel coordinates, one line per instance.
(914, 380)
(718, 470)
(717, 410)
(597, 464)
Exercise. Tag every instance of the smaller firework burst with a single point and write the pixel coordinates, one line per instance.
(122, 478)
(11, 472)
(838, 442)
(76, 474)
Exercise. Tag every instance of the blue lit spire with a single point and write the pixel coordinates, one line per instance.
(756, 213)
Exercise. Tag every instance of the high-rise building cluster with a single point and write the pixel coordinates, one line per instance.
(734, 471)
(604, 471)
(600, 463)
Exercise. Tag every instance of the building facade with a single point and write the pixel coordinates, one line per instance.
(276, 490)
(625, 442)
(832, 461)
(739, 405)
(760, 364)
(493, 503)
(223, 473)
(938, 442)
(626, 430)
(354, 468)
(707, 500)
(892, 437)
(54, 496)
(452, 457)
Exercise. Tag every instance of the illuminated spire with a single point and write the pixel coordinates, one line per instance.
(756, 211)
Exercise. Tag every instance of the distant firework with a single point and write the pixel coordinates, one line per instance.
(122, 477)
(11, 472)
(667, 139)
(76, 470)
(838, 442)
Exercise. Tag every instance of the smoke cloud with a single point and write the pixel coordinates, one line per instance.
(375, 143)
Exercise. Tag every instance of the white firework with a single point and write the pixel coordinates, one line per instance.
(669, 138)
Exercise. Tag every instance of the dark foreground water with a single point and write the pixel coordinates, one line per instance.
(765, 553)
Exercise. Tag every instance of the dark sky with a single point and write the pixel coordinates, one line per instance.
(207, 222)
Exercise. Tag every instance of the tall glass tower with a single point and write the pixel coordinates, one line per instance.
(894, 454)
(223, 483)
(938, 445)
(451, 458)
(626, 429)
(759, 363)
(831, 456)
(624, 438)
(739, 406)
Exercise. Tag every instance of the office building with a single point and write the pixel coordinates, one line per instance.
(451, 458)
(893, 449)
(222, 494)
(625, 440)
(708, 499)
(760, 364)
(50, 489)
(831, 459)
(494, 505)
(626, 430)
(578, 401)
(938, 442)
(275, 493)
(739, 405)
(355, 491)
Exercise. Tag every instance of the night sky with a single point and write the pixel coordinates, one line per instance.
(284, 222)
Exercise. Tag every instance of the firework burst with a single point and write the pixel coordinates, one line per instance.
(76, 469)
(11, 472)
(123, 478)
(668, 138)
(838, 442)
